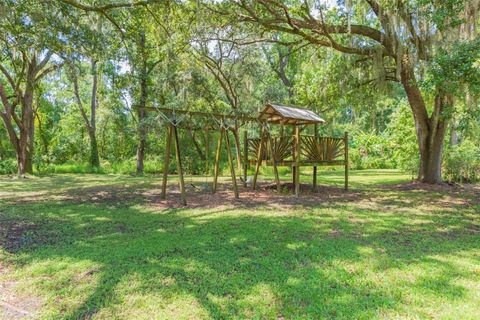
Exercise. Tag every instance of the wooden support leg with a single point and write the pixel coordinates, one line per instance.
(179, 167)
(297, 161)
(232, 168)
(238, 149)
(315, 136)
(217, 161)
(245, 158)
(259, 159)
(166, 161)
(275, 169)
(294, 173)
(207, 153)
(345, 140)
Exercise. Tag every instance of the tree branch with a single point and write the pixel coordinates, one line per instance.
(8, 76)
(110, 6)
(49, 70)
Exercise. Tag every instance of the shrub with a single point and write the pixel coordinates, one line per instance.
(403, 140)
(77, 168)
(8, 166)
(461, 163)
(370, 151)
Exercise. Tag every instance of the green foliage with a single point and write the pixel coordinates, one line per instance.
(371, 150)
(456, 67)
(8, 166)
(171, 46)
(402, 139)
(462, 162)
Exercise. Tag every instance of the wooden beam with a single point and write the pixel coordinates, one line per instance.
(345, 139)
(181, 181)
(304, 163)
(207, 152)
(238, 152)
(166, 161)
(315, 135)
(259, 158)
(275, 169)
(217, 160)
(200, 113)
(297, 160)
(245, 157)
(232, 167)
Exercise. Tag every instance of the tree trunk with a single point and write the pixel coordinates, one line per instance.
(21, 157)
(21, 128)
(430, 170)
(142, 141)
(430, 130)
(27, 134)
(92, 128)
(142, 130)
(94, 158)
(191, 135)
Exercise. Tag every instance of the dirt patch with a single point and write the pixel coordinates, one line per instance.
(265, 196)
(415, 185)
(16, 234)
(15, 306)
(198, 195)
(452, 194)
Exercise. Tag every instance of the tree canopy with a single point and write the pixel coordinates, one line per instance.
(401, 75)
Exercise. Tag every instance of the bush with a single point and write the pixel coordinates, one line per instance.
(8, 166)
(462, 162)
(370, 151)
(77, 168)
(403, 140)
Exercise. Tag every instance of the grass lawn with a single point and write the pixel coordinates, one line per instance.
(106, 246)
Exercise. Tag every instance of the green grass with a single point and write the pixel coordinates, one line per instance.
(102, 247)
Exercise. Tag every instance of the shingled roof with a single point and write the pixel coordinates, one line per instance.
(274, 113)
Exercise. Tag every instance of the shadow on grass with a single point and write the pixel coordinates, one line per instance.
(219, 261)
(234, 262)
(221, 257)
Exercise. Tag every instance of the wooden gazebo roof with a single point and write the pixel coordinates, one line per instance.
(278, 114)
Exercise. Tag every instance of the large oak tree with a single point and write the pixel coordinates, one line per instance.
(407, 34)
(28, 41)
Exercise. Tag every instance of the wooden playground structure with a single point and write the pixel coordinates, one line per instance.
(294, 150)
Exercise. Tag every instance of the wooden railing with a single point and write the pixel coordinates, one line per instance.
(295, 151)
(280, 149)
(321, 149)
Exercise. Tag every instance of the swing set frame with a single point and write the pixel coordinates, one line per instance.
(295, 151)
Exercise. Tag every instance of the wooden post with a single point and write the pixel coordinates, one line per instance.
(179, 166)
(238, 151)
(217, 161)
(275, 169)
(259, 158)
(294, 151)
(297, 161)
(315, 135)
(345, 141)
(207, 152)
(166, 162)
(230, 162)
(245, 158)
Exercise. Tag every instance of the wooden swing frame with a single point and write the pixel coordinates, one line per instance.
(272, 114)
